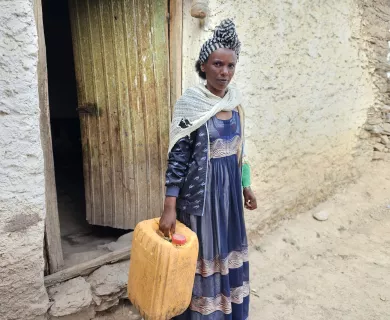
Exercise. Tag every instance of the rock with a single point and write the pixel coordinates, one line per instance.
(254, 292)
(379, 147)
(109, 285)
(122, 242)
(124, 295)
(386, 117)
(385, 140)
(321, 215)
(373, 120)
(115, 296)
(109, 279)
(383, 128)
(385, 108)
(378, 155)
(364, 134)
(70, 297)
(374, 128)
(107, 305)
(386, 128)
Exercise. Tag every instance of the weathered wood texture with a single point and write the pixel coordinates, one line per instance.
(175, 48)
(52, 224)
(121, 59)
(86, 268)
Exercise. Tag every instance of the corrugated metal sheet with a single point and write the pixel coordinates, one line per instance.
(121, 61)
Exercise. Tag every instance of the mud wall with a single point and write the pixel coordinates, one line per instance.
(307, 87)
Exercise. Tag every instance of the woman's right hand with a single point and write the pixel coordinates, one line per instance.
(168, 218)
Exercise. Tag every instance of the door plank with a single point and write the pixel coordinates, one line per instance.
(52, 223)
(175, 49)
(86, 268)
(121, 59)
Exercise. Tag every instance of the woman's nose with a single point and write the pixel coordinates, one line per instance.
(224, 71)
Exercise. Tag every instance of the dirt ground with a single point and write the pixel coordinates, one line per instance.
(335, 269)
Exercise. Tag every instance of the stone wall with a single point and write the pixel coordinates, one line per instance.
(83, 298)
(22, 199)
(376, 37)
(307, 88)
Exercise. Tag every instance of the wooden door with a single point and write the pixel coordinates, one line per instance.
(121, 62)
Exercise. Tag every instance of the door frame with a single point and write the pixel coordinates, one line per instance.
(52, 244)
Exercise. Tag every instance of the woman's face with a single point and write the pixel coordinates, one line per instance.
(219, 69)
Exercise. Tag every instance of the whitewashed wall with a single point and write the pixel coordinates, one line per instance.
(307, 90)
(22, 201)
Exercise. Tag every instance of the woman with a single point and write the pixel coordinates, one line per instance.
(205, 179)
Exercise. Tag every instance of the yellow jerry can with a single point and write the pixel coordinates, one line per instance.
(162, 272)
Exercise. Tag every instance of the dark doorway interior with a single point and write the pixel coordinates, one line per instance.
(80, 241)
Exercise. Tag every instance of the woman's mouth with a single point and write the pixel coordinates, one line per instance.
(223, 81)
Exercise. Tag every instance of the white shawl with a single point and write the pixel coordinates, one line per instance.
(195, 107)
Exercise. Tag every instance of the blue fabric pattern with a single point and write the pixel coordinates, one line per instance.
(221, 289)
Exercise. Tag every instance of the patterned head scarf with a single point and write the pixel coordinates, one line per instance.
(225, 36)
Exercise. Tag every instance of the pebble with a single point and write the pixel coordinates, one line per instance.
(378, 155)
(321, 215)
(379, 146)
(385, 140)
(254, 292)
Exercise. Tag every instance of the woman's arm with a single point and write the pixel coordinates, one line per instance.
(168, 217)
(249, 197)
(176, 173)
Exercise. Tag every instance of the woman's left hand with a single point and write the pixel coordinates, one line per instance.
(250, 199)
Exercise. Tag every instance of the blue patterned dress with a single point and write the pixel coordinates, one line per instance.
(221, 289)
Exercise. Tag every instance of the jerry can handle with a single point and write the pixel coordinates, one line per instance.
(176, 239)
(169, 239)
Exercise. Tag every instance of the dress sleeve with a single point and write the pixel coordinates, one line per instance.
(246, 175)
(178, 161)
(246, 170)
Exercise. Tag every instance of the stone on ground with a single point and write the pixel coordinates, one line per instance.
(70, 297)
(322, 215)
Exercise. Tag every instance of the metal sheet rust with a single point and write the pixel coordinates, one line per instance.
(121, 60)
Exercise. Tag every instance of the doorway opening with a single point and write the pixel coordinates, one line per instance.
(80, 241)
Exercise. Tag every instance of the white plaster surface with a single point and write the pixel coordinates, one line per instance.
(307, 89)
(22, 201)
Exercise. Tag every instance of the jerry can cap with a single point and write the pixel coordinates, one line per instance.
(178, 239)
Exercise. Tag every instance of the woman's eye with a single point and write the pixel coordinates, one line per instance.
(218, 64)
(231, 66)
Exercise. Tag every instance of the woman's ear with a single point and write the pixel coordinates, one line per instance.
(202, 67)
